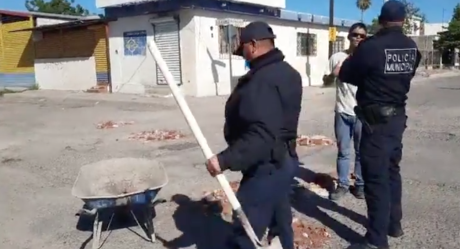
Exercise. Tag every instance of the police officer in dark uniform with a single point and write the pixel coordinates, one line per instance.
(382, 67)
(261, 119)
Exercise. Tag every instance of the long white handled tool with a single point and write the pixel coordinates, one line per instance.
(202, 141)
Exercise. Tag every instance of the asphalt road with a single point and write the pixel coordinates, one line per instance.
(47, 136)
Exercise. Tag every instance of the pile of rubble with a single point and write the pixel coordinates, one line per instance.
(316, 140)
(111, 124)
(306, 236)
(156, 135)
(216, 202)
(101, 87)
(322, 183)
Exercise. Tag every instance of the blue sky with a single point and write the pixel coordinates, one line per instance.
(344, 8)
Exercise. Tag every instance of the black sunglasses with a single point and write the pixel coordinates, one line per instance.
(356, 35)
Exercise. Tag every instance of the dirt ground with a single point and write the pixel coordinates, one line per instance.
(47, 136)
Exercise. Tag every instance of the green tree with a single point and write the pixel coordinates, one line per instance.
(374, 26)
(363, 5)
(65, 7)
(450, 38)
(412, 11)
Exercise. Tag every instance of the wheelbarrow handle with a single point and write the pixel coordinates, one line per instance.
(200, 138)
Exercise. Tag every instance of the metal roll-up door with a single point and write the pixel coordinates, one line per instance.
(167, 40)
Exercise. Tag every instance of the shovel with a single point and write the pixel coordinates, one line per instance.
(236, 206)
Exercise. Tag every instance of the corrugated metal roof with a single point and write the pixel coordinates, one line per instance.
(41, 14)
(306, 17)
(146, 7)
(67, 25)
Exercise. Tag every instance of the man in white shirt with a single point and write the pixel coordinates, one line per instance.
(346, 125)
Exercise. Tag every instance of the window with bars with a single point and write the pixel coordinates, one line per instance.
(306, 44)
(338, 45)
(223, 41)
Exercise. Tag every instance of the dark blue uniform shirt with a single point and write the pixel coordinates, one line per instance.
(382, 68)
(261, 113)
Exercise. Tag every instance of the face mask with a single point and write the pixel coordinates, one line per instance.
(245, 55)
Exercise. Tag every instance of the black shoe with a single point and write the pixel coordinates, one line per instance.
(338, 193)
(358, 192)
(366, 246)
(395, 231)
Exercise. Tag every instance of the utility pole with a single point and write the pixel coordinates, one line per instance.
(331, 25)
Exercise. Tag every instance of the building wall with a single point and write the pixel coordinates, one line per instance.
(16, 54)
(63, 64)
(416, 26)
(78, 73)
(137, 74)
(205, 72)
(213, 68)
(435, 28)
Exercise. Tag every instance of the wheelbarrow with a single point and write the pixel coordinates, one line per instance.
(120, 182)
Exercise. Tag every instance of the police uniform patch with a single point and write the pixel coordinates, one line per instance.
(400, 61)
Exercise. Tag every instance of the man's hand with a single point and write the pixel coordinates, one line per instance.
(336, 70)
(213, 166)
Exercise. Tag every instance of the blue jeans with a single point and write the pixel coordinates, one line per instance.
(347, 130)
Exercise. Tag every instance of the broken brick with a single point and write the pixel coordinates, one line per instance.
(156, 135)
(316, 140)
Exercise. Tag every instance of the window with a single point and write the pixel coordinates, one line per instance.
(338, 45)
(223, 41)
(306, 44)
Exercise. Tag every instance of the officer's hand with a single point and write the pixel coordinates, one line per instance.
(212, 164)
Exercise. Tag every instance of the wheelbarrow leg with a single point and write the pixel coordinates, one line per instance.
(149, 222)
(97, 230)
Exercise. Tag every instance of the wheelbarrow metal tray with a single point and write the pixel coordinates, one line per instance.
(119, 181)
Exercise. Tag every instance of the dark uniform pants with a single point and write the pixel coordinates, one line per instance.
(264, 197)
(381, 153)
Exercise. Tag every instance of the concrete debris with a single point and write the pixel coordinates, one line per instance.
(156, 135)
(111, 124)
(216, 202)
(322, 183)
(306, 236)
(100, 88)
(316, 140)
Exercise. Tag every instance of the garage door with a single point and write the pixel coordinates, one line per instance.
(167, 40)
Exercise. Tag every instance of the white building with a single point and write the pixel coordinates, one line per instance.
(192, 42)
(416, 26)
(434, 28)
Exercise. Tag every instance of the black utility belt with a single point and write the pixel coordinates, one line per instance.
(281, 150)
(378, 114)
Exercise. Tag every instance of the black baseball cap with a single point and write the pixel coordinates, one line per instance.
(393, 11)
(254, 31)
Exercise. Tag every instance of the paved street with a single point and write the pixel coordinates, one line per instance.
(47, 136)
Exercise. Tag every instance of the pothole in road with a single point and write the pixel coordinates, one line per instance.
(178, 147)
(433, 135)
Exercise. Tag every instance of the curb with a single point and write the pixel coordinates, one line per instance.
(436, 76)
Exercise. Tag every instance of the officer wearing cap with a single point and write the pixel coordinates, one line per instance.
(382, 68)
(261, 118)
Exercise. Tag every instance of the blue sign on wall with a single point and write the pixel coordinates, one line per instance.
(135, 43)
